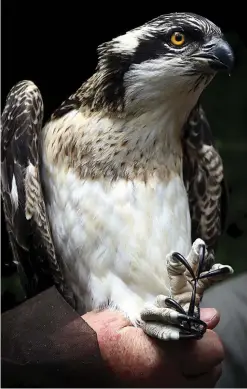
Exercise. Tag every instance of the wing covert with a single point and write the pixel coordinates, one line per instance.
(22, 194)
(204, 180)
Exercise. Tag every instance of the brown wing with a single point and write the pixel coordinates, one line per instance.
(23, 203)
(204, 181)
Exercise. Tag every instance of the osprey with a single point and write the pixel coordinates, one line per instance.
(121, 195)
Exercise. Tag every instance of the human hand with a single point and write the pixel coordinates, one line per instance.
(138, 360)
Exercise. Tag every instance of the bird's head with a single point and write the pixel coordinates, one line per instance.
(175, 55)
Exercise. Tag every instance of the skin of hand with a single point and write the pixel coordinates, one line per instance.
(138, 360)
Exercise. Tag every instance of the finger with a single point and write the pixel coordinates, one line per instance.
(207, 380)
(201, 356)
(210, 316)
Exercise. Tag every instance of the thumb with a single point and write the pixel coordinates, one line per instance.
(210, 316)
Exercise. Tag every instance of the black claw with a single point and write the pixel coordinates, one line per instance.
(191, 309)
(202, 250)
(191, 327)
(184, 261)
(192, 324)
(191, 319)
(199, 323)
(196, 336)
(189, 323)
(170, 303)
(212, 273)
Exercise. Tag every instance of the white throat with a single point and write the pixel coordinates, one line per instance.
(162, 89)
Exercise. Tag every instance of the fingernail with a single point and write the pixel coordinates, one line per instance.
(208, 314)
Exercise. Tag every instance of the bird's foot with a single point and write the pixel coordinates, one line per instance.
(178, 316)
(167, 320)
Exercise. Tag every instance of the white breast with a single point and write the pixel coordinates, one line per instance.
(114, 237)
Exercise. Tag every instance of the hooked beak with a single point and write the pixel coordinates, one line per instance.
(218, 54)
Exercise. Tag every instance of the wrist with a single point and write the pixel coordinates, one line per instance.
(108, 325)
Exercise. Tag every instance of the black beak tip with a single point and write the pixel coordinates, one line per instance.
(223, 57)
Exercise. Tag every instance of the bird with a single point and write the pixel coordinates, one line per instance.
(120, 196)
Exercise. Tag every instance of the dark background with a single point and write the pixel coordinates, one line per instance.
(54, 45)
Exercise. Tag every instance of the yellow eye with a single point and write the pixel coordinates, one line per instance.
(177, 38)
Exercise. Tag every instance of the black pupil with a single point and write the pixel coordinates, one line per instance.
(179, 37)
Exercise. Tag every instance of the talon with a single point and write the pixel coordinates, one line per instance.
(191, 309)
(212, 273)
(194, 324)
(171, 303)
(180, 258)
(199, 323)
(186, 318)
(202, 251)
(190, 320)
(195, 336)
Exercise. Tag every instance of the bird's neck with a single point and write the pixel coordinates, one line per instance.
(150, 132)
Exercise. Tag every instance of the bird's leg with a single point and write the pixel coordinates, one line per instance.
(178, 316)
(173, 317)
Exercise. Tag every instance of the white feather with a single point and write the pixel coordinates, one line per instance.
(128, 42)
(115, 237)
(14, 193)
(164, 84)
